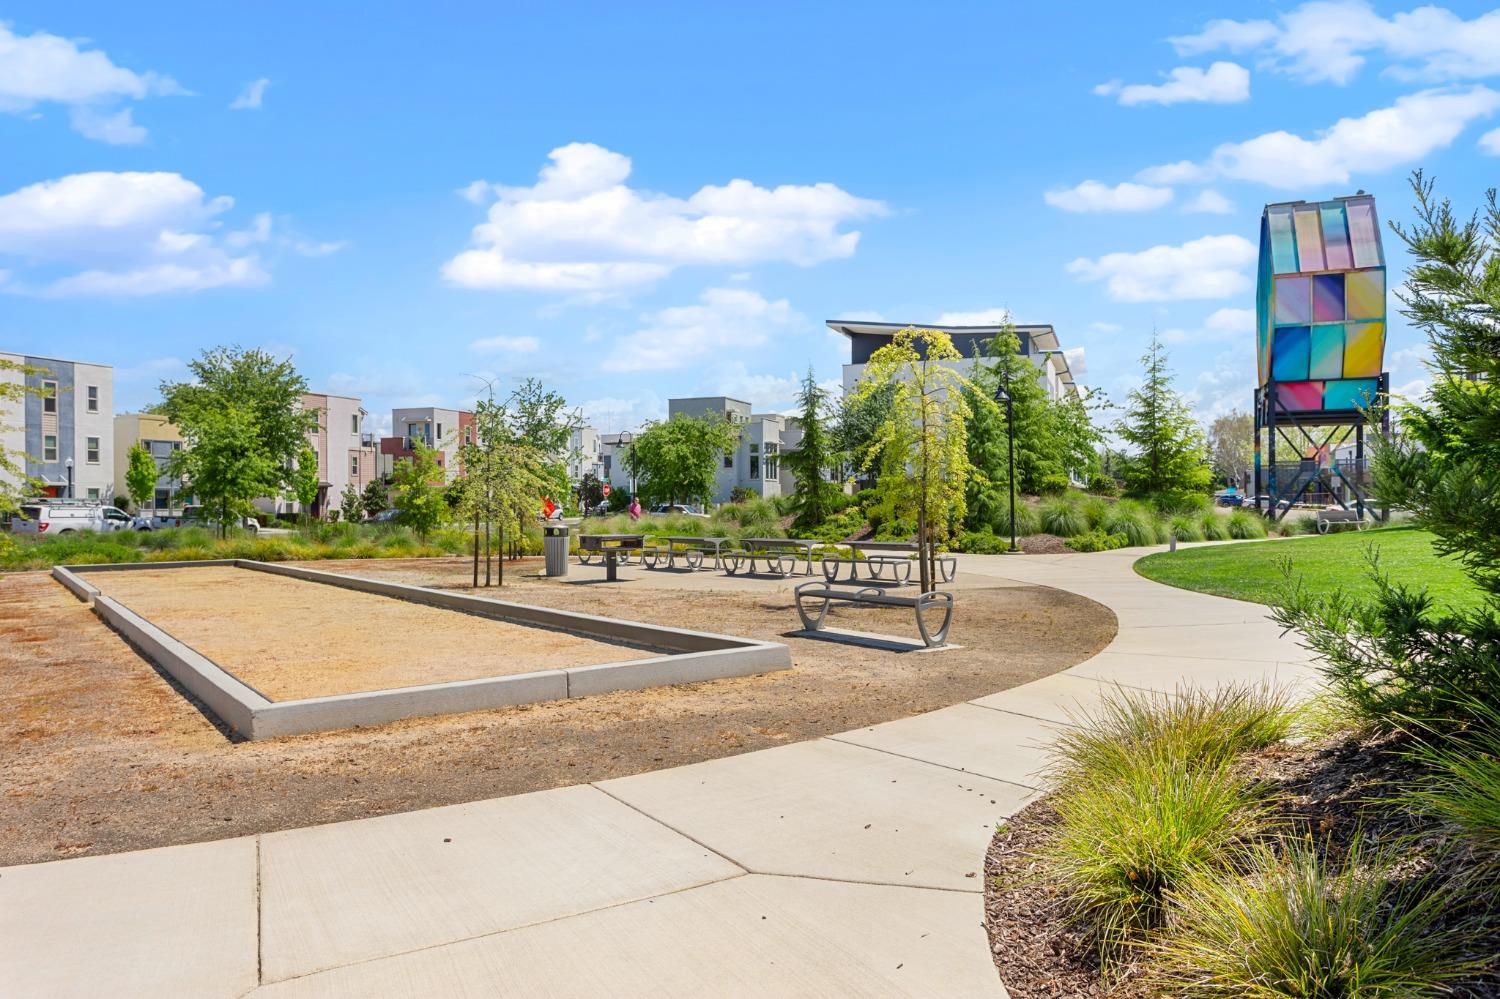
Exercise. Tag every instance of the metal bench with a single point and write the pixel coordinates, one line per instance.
(690, 549)
(1328, 518)
(876, 568)
(613, 548)
(870, 596)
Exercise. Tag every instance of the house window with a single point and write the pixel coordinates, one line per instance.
(440, 432)
(354, 424)
(354, 465)
(94, 495)
(93, 398)
(49, 398)
(754, 461)
(728, 460)
(91, 447)
(773, 460)
(49, 447)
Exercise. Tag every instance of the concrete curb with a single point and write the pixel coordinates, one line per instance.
(692, 657)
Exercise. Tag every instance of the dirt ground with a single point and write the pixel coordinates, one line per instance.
(332, 641)
(102, 753)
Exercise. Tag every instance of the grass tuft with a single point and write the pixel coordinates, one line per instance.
(1063, 518)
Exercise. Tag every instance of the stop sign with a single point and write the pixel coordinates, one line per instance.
(606, 488)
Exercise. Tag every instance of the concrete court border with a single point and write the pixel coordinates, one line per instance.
(692, 657)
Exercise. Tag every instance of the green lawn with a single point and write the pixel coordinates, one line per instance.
(1252, 571)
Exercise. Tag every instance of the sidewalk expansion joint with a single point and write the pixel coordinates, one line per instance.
(930, 763)
(668, 826)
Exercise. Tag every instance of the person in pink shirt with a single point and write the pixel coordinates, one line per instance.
(635, 508)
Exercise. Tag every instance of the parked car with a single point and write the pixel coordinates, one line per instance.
(1226, 497)
(385, 517)
(198, 516)
(677, 508)
(54, 516)
(155, 521)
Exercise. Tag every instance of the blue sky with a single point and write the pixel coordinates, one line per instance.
(634, 203)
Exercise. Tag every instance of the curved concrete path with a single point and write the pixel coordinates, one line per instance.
(848, 865)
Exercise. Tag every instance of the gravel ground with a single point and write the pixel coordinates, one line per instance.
(104, 754)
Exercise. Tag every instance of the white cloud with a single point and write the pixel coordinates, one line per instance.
(982, 317)
(1404, 133)
(1221, 83)
(1490, 142)
(580, 228)
(724, 319)
(1227, 385)
(118, 129)
(611, 414)
(1105, 327)
(1222, 324)
(1209, 267)
(506, 345)
(477, 191)
(1209, 202)
(1181, 172)
(122, 234)
(1327, 40)
(1077, 363)
(42, 68)
(251, 96)
(1092, 196)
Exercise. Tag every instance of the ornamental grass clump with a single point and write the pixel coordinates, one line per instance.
(1300, 926)
(1187, 528)
(1134, 833)
(1133, 520)
(1063, 518)
(1245, 526)
(1215, 527)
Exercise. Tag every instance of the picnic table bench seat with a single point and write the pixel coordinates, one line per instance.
(872, 596)
(1328, 518)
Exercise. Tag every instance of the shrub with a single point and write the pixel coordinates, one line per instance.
(1052, 484)
(1063, 518)
(1174, 503)
(1195, 727)
(1187, 527)
(838, 527)
(741, 494)
(1462, 784)
(1132, 520)
(1307, 523)
(1096, 540)
(896, 530)
(1215, 527)
(1244, 526)
(1094, 510)
(981, 542)
(1131, 837)
(1301, 927)
(1104, 485)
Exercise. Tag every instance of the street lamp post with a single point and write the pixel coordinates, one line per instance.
(69, 464)
(1001, 395)
(627, 439)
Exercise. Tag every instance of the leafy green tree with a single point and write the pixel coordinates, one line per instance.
(922, 446)
(590, 490)
(1231, 445)
(987, 493)
(675, 461)
(418, 485)
(539, 416)
(1445, 468)
(350, 504)
(267, 391)
(1037, 452)
(141, 474)
(221, 462)
(858, 423)
(15, 484)
(813, 459)
(1076, 437)
(375, 499)
(305, 480)
(1168, 446)
(506, 474)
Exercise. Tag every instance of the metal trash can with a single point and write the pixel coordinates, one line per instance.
(555, 543)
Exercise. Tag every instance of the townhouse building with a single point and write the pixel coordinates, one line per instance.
(444, 430)
(63, 426)
(346, 455)
(162, 439)
(756, 463)
(585, 454)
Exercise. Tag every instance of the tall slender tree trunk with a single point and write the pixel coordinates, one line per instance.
(487, 553)
(476, 549)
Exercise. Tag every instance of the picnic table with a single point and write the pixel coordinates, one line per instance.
(777, 548)
(694, 548)
(611, 547)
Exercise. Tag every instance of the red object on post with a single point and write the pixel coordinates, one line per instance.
(548, 507)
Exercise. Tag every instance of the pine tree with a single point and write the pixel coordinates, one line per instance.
(814, 457)
(1169, 449)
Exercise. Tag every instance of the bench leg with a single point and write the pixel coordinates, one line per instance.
(610, 567)
(810, 623)
(931, 638)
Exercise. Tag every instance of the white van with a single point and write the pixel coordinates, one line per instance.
(52, 516)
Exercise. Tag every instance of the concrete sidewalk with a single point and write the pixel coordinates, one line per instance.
(848, 865)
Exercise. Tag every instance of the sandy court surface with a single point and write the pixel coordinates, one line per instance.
(290, 638)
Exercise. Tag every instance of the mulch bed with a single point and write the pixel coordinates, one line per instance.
(1330, 788)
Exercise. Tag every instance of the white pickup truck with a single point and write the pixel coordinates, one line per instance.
(50, 516)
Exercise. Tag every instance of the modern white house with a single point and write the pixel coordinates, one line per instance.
(65, 428)
(756, 463)
(444, 430)
(1039, 343)
(346, 454)
(585, 454)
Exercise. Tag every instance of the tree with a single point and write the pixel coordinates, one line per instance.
(813, 458)
(350, 504)
(987, 493)
(418, 485)
(14, 482)
(264, 393)
(539, 416)
(922, 445)
(1168, 443)
(1076, 438)
(676, 460)
(305, 481)
(506, 474)
(858, 423)
(1445, 468)
(1037, 451)
(1231, 445)
(221, 461)
(590, 490)
(141, 474)
(375, 499)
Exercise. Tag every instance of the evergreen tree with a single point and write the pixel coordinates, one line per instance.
(987, 495)
(813, 459)
(375, 499)
(1168, 446)
(1038, 451)
(349, 504)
